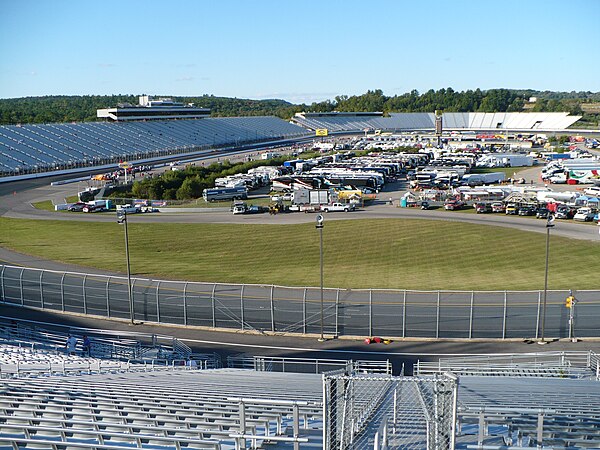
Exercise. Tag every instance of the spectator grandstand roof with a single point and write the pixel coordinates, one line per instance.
(27, 148)
(348, 122)
(149, 109)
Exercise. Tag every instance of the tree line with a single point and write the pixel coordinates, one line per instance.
(189, 182)
(55, 109)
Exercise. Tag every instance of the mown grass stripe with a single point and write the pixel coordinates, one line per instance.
(370, 253)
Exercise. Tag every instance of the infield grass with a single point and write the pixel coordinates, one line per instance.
(377, 253)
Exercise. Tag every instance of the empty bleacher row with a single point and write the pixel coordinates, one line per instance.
(37, 148)
(194, 409)
(528, 412)
(345, 122)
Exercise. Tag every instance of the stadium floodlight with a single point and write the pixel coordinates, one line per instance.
(122, 220)
(319, 226)
(549, 224)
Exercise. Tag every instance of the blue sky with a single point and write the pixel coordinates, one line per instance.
(298, 50)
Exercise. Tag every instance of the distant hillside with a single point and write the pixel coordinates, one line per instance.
(83, 108)
(75, 108)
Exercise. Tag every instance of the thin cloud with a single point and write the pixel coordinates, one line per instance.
(299, 97)
(188, 78)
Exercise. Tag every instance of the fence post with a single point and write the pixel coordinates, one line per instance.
(537, 320)
(471, 315)
(21, 286)
(337, 309)
(504, 317)
(212, 297)
(84, 294)
(132, 298)
(2, 283)
(242, 306)
(158, 301)
(62, 292)
(370, 312)
(404, 314)
(185, 303)
(437, 316)
(42, 288)
(108, 297)
(304, 312)
(272, 310)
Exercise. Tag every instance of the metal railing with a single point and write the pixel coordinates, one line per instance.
(28, 369)
(380, 412)
(563, 364)
(280, 309)
(307, 365)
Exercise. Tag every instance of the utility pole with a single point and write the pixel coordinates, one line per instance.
(319, 226)
(122, 220)
(549, 224)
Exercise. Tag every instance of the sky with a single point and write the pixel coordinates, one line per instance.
(297, 50)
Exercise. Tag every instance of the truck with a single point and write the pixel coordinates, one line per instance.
(477, 179)
(128, 208)
(236, 193)
(338, 207)
(314, 196)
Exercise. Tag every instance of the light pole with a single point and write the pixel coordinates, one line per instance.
(549, 224)
(319, 227)
(122, 219)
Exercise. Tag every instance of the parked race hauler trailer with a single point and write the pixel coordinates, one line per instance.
(221, 194)
(478, 179)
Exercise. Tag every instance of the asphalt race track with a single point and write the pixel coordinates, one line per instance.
(16, 199)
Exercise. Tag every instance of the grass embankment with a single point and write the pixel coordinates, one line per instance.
(45, 205)
(385, 253)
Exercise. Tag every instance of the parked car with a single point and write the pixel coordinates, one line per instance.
(239, 208)
(453, 205)
(511, 209)
(345, 207)
(542, 213)
(482, 208)
(527, 210)
(497, 207)
(585, 214)
(78, 207)
(424, 204)
(92, 208)
(564, 212)
(593, 191)
(255, 209)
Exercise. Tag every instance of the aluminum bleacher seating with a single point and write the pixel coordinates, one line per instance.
(198, 409)
(426, 121)
(24, 148)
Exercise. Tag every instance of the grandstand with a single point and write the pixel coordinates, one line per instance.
(49, 147)
(522, 402)
(472, 121)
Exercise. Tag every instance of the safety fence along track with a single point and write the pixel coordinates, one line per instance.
(269, 308)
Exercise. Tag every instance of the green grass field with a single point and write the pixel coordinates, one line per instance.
(45, 205)
(383, 253)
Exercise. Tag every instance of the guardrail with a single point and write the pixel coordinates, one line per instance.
(564, 364)
(28, 369)
(281, 309)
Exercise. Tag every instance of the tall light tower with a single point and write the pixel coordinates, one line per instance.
(122, 220)
(549, 224)
(319, 226)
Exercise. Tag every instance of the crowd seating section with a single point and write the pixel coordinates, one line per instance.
(499, 122)
(62, 146)
(518, 412)
(195, 409)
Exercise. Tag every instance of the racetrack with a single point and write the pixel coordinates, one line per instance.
(16, 198)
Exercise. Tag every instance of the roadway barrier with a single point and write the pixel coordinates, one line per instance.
(280, 309)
